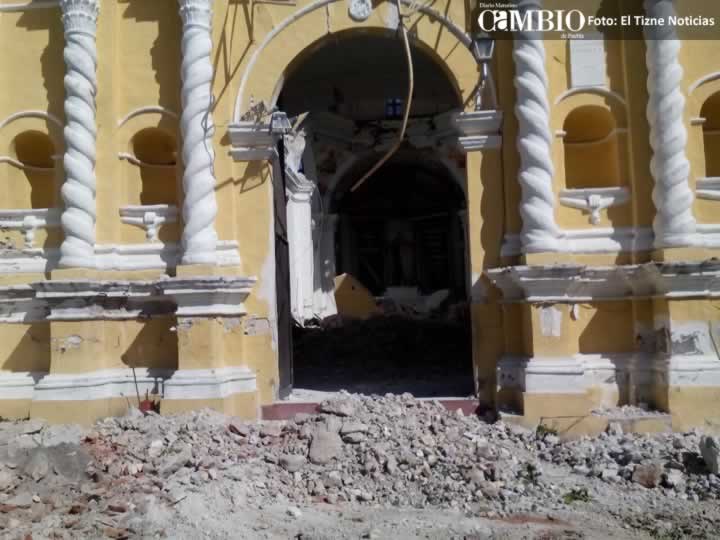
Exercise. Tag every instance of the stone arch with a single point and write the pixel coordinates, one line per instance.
(287, 45)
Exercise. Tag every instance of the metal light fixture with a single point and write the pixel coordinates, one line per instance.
(279, 123)
(483, 47)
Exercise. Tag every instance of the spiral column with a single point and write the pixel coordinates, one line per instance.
(78, 191)
(674, 223)
(199, 238)
(537, 205)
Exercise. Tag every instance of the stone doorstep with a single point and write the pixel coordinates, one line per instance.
(286, 410)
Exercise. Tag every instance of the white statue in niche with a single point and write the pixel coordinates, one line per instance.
(360, 10)
(294, 150)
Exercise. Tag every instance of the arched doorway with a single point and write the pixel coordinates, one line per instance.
(382, 306)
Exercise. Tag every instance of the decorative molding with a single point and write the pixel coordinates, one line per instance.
(149, 217)
(615, 372)
(19, 385)
(135, 161)
(579, 283)
(101, 384)
(251, 141)
(703, 80)
(593, 200)
(80, 300)
(32, 4)
(127, 383)
(708, 188)
(199, 237)
(209, 383)
(29, 221)
(20, 165)
(674, 223)
(540, 232)
(32, 114)
(149, 109)
(148, 256)
(591, 90)
(360, 10)
(598, 240)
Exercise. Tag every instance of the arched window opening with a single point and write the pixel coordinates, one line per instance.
(711, 135)
(156, 152)
(591, 149)
(35, 153)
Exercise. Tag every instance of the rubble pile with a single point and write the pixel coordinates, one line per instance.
(126, 475)
(678, 465)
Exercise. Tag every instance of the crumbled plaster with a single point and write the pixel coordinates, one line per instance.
(257, 326)
(550, 321)
(70, 342)
(266, 286)
(184, 325)
(231, 323)
(688, 338)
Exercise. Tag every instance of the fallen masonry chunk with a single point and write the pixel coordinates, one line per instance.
(37, 467)
(239, 429)
(292, 462)
(710, 451)
(294, 512)
(648, 475)
(339, 407)
(271, 430)
(22, 500)
(176, 462)
(325, 446)
(353, 427)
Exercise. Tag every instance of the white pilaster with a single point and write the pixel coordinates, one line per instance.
(199, 238)
(300, 239)
(537, 205)
(674, 223)
(78, 191)
(324, 280)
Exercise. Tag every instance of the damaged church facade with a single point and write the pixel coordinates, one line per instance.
(181, 179)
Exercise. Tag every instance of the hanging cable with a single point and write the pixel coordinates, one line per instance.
(408, 103)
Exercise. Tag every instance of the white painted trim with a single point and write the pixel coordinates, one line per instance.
(121, 383)
(702, 80)
(20, 165)
(591, 90)
(18, 385)
(599, 240)
(708, 188)
(149, 217)
(148, 109)
(31, 114)
(130, 158)
(578, 283)
(30, 220)
(580, 372)
(33, 4)
(113, 257)
(209, 383)
(101, 384)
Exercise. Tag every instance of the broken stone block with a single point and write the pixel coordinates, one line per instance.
(339, 407)
(710, 451)
(325, 446)
(292, 462)
(648, 475)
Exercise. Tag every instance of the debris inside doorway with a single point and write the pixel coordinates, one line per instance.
(398, 349)
(203, 474)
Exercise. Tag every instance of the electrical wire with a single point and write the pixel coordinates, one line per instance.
(408, 103)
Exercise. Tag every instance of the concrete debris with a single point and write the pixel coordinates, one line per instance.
(710, 450)
(193, 475)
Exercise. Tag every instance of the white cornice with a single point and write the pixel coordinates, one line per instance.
(579, 283)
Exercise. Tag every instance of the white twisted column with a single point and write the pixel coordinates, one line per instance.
(537, 204)
(78, 191)
(674, 223)
(199, 238)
